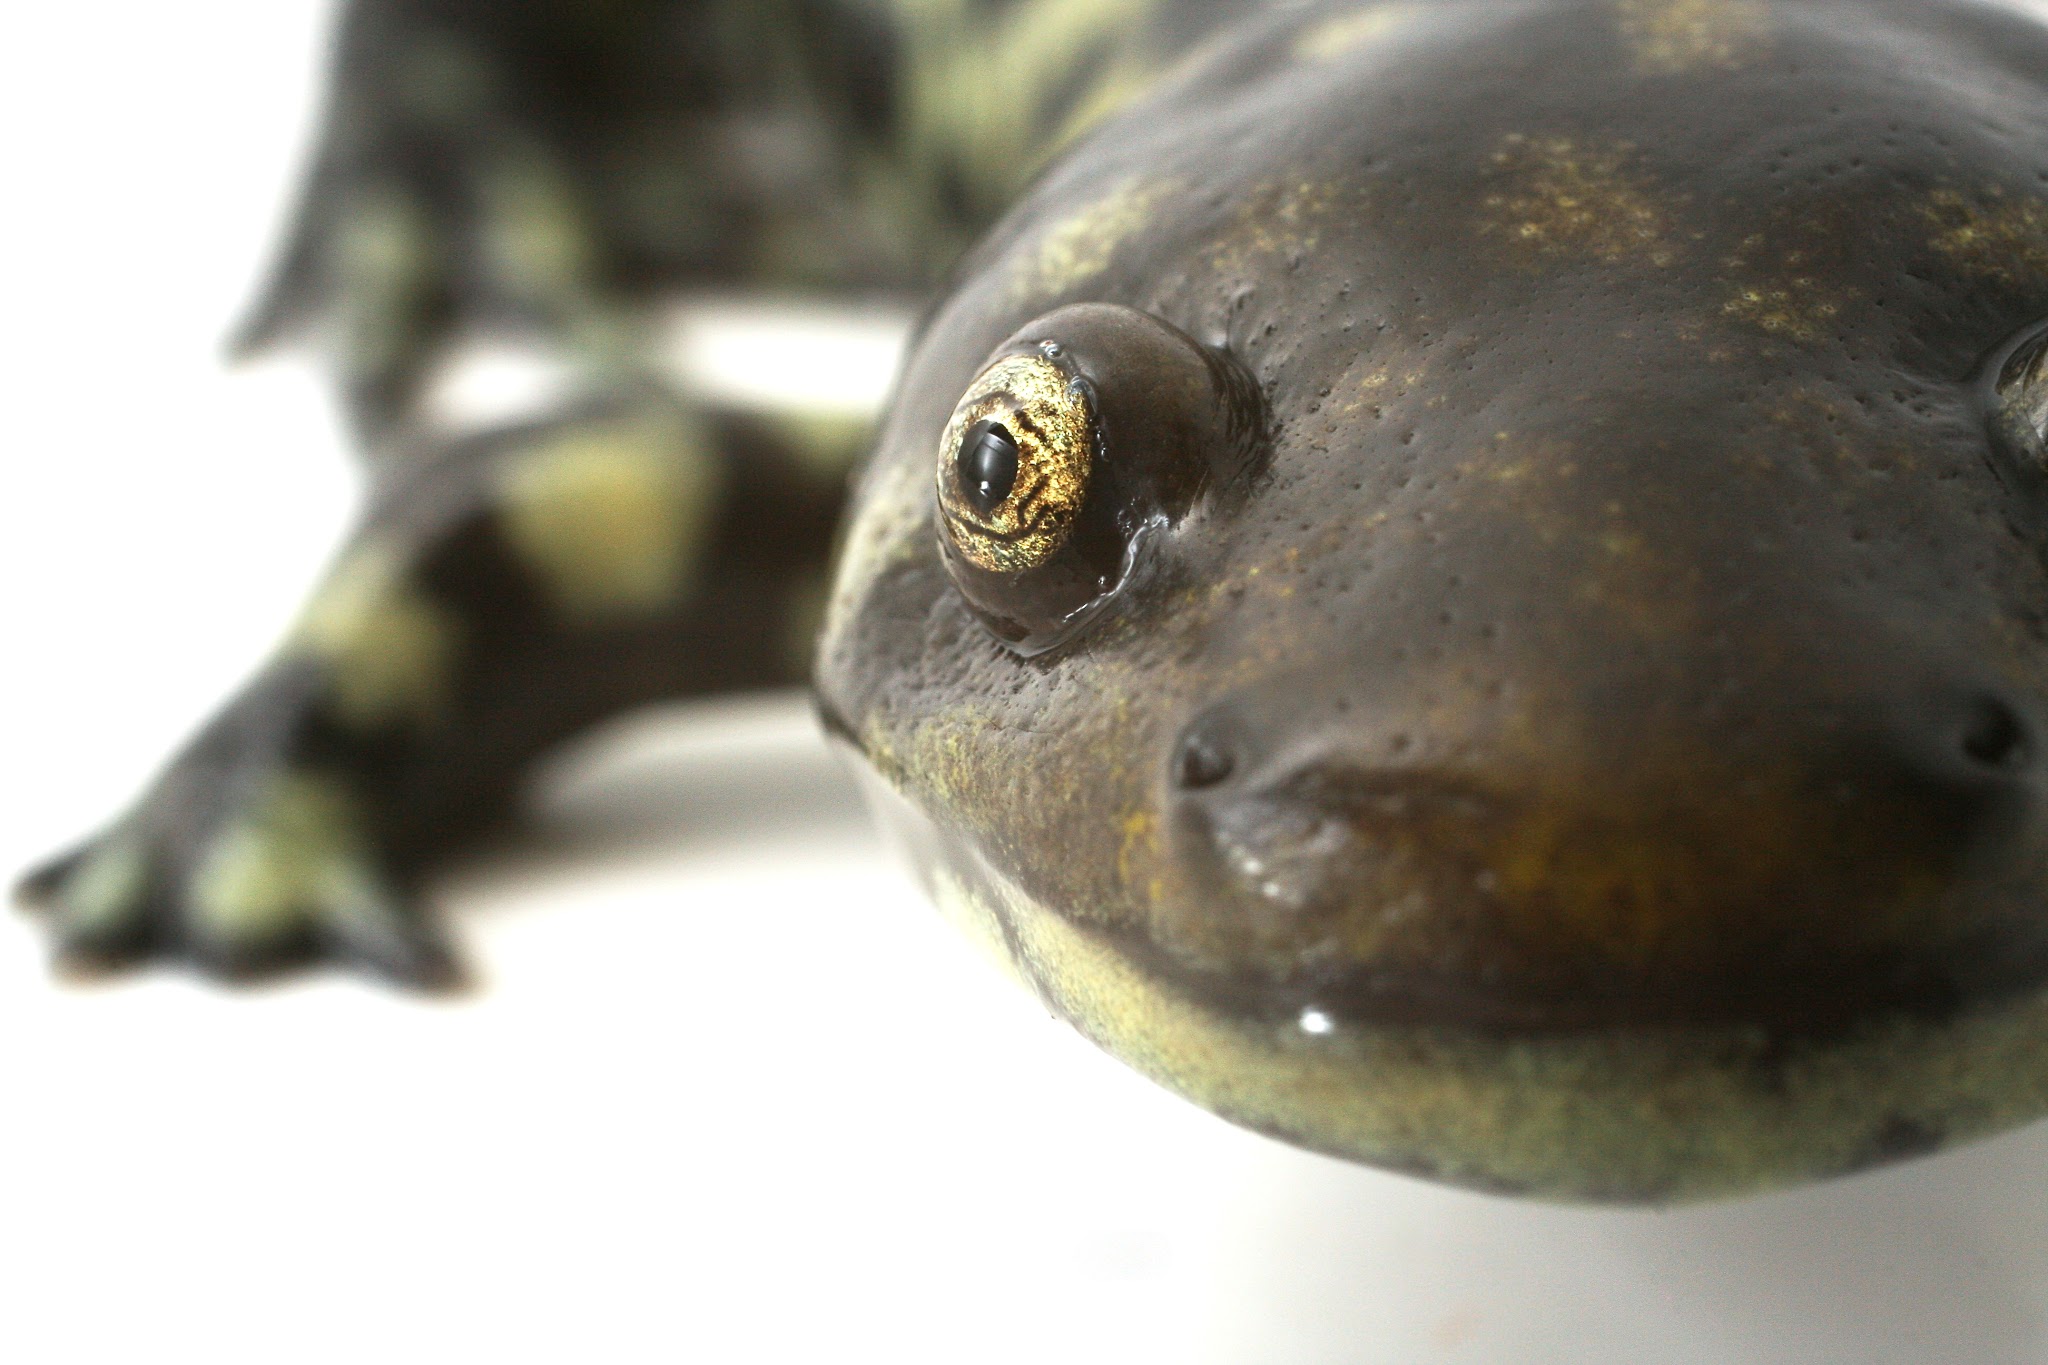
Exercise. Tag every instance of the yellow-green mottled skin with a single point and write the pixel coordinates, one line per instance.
(612, 517)
(1545, 681)
(388, 649)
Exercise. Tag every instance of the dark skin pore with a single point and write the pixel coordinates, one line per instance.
(1635, 628)
(1719, 492)
(1557, 630)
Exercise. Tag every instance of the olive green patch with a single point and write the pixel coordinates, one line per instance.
(1277, 219)
(534, 235)
(1078, 247)
(1994, 236)
(294, 856)
(1667, 37)
(1566, 198)
(105, 891)
(388, 648)
(383, 263)
(611, 517)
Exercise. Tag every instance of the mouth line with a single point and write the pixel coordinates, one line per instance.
(1641, 1114)
(1515, 970)
(1460, 909)
(1783, 1003)
(1661, 1114)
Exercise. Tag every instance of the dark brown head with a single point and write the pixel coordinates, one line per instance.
(1540, 678)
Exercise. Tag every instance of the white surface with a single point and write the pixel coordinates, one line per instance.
(733, 1093)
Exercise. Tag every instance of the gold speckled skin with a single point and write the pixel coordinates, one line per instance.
(1534, 668)
(1597, 757)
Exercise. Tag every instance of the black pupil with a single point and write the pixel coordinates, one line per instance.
(986, 465)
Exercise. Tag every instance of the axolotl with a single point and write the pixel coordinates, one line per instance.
(1459, 581)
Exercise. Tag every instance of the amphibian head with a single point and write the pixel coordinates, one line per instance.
(1464, 586)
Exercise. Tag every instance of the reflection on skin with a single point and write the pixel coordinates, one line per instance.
(1942, 1258)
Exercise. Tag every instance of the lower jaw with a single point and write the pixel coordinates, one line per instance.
(1659, 1115)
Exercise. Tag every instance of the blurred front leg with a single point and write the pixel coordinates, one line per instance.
(501, 595)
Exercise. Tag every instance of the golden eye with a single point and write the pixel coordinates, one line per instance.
(1015, 463)
(1072, 460)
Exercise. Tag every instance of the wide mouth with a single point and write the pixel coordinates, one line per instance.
(1799, 884)
(1784, 1001)
(1658, 1113)
(1409, 934)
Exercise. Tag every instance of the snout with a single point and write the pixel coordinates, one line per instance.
(1814, 858)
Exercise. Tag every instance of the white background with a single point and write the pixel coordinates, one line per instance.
(732, 1092)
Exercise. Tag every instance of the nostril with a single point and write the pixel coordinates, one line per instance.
(1994, 735)
(1201, 761)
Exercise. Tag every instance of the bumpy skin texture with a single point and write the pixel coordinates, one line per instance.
(1596, 754)
(1567, 714)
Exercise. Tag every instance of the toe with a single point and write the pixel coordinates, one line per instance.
(39, 889)
(283, 878)
(363, 923)
(100, 906)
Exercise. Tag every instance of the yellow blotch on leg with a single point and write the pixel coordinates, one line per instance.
(611, 518)
(387, 647)
(295, 866)
(105, 891)
(295, 855)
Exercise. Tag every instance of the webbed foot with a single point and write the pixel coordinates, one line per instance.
(243, 865)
